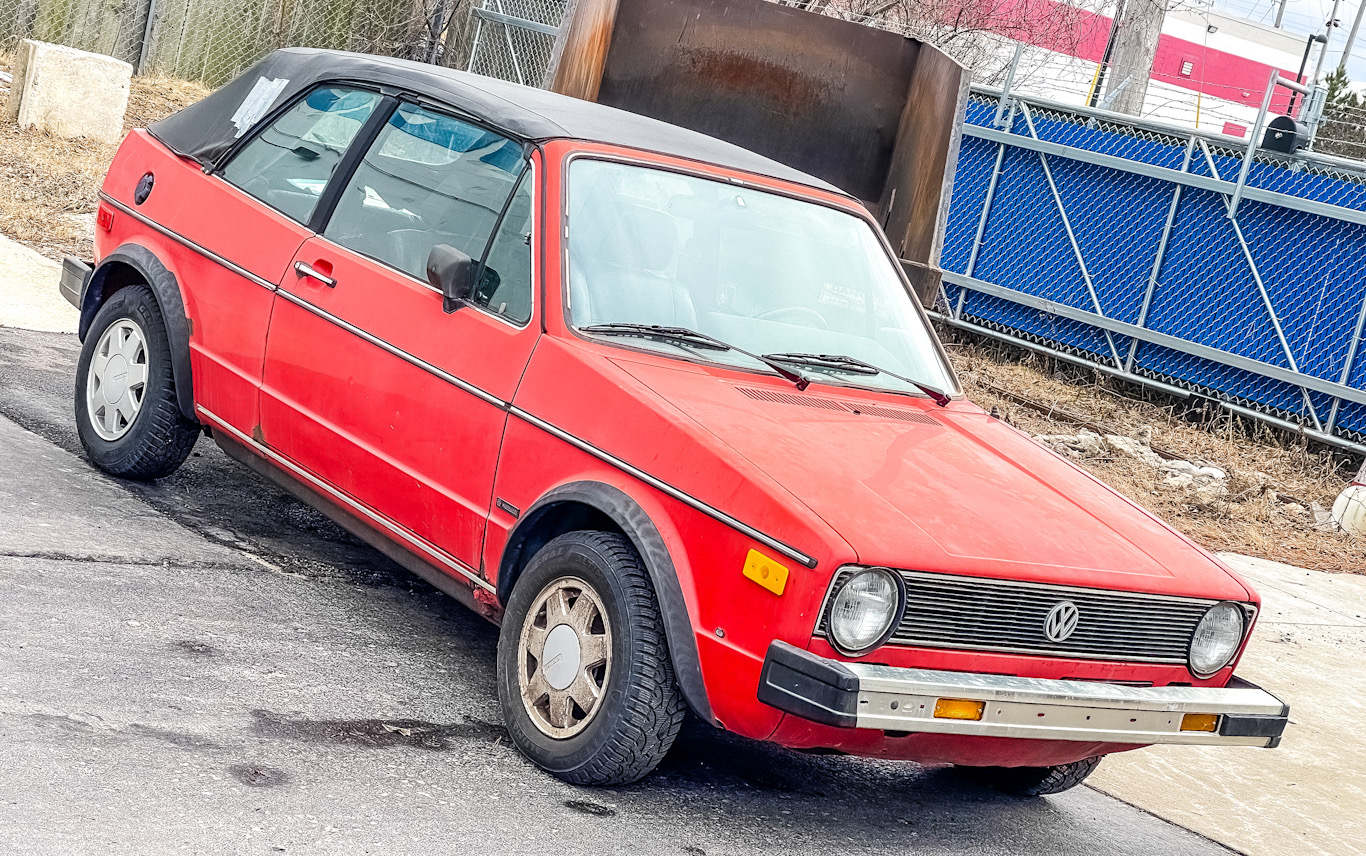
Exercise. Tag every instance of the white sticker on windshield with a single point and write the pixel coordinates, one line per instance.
(257, 102)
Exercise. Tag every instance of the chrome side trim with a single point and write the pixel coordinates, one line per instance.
(188, 244)
(412, 540)
(420, 363)
(666, 488)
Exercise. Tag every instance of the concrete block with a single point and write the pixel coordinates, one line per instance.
(68, 92)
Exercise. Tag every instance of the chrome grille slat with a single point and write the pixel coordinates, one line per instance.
(982, 614)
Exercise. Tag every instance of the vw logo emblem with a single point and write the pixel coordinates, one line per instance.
(1061, 621)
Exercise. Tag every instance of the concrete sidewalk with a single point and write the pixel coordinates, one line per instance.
(1309, 795)
(29, 298)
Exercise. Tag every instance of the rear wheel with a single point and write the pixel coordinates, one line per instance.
(126, 411)
(1033, 781)
(584, 676)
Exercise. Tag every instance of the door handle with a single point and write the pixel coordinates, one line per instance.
(304, 269)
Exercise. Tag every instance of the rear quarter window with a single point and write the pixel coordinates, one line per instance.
(288, 164)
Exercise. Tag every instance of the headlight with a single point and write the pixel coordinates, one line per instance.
(1216, 639)
(865, 609)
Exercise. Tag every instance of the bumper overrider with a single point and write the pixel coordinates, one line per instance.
(859, 695)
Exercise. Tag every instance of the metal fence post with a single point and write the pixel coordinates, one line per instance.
(1161, 254)
(986, 212)
(1071, 236)
(1254, 140)
(1347, 365)
(145, 50)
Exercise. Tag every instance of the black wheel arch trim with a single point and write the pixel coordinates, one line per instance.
(166, 289)
(627, 514)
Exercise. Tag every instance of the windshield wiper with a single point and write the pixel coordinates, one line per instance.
(694, 339)
(853, 365)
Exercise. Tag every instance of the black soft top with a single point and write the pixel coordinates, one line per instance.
(206, 129)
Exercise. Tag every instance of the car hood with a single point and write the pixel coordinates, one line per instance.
(952, 489)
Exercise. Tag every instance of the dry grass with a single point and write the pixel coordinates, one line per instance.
(48, 185)
(1267, 469)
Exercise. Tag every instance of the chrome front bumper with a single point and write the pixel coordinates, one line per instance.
(857, 695)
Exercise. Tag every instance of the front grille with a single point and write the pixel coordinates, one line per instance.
(976, 614)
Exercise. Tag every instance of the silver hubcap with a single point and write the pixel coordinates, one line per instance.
(564, 656)
(117, 383)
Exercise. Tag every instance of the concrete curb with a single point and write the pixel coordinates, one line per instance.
(29, 298)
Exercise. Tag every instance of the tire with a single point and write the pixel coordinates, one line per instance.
(142, 435)
(615, 621)
(1033, 781)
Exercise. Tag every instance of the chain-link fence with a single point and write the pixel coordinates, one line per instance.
(213, 40)
(1164, 257)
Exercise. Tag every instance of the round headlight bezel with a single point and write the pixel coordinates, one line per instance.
(1242, 617)
(842, 581)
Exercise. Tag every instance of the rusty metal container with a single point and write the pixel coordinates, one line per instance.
(872, 112)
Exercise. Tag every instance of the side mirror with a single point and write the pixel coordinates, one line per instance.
(452, 272)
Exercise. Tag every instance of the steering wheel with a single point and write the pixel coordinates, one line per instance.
(799, 313)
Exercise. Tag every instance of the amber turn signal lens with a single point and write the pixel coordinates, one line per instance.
(958, 708)
(1199, 721)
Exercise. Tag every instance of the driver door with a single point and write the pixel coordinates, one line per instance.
(369, 384)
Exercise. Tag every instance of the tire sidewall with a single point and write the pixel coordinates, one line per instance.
(563, 557)
(134, 303)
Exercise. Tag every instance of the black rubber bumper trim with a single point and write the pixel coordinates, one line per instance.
(75, 277)
(812, 687)
(1254, 725)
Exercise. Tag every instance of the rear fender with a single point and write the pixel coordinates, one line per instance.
(132, 263)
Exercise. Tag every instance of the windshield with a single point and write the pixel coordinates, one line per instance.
(763, 272)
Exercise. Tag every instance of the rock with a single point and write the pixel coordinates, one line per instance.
(1209, 492)
(1349, 511)
(1087, 444)
(1179, 481)
(68, 92)
(1134, 449)
(1323, 519)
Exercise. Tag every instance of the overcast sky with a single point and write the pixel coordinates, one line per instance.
(1305, 17)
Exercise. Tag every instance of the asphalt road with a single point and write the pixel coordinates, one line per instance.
(206, 666)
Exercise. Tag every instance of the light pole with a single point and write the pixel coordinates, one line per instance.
(1322, 39)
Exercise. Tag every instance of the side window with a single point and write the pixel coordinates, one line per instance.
(505, 284)
(288, 164)
(428, 179)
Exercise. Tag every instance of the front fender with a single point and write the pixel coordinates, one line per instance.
(627, 514)
(166, 289)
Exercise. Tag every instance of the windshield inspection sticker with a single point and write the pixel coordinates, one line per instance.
(257, 102)
(841, 296)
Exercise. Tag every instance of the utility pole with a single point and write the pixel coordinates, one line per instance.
(1280, 14)
(1332, 22)
(1135, 47)
(1351, 36)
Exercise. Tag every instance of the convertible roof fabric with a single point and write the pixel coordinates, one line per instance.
(207, 129)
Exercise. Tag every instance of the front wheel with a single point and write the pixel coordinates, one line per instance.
(584, 677)
(1033, 781)
(126, 411)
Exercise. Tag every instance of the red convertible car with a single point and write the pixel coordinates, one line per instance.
(663, 408)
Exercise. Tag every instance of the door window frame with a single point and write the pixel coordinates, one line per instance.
(361, 141)
(346, 169)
